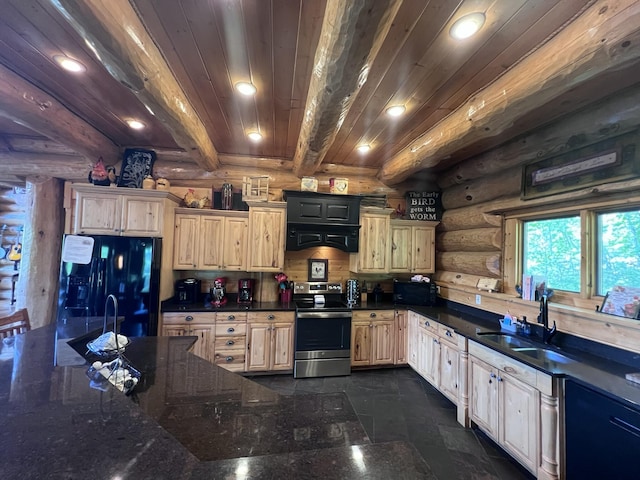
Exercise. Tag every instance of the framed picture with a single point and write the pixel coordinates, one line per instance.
(318, 270)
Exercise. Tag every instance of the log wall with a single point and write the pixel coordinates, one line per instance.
(12, 214)
(472, 235)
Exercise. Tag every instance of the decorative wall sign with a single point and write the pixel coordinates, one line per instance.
(425, 206)
(136, 164)
(608, 161)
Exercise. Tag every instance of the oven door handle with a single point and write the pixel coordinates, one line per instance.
(330, 314)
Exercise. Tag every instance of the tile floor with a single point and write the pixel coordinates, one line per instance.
(398, 405)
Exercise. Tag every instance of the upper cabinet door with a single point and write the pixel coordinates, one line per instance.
(142, 217)
(267, 226)
(185, 241)
(235, 243)
(97, 214)
(400, 248)
(373, 255)
(211, 251)
(423, 249)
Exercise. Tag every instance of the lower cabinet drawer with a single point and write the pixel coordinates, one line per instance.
(232, 360)
(227, 343)
(191, 317)
(230, 329)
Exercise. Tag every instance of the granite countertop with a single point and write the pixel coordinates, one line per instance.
(187, 418)
(595, 371)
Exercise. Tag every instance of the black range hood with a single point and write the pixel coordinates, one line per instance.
(322, 220)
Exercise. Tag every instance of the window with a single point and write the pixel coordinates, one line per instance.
(618, 249)
(552, 251)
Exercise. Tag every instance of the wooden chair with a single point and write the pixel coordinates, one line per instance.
(17, 322)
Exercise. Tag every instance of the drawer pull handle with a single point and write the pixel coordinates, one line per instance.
(229, 358)
(231, 317)
(188, 318)
(271, 317)
(231, 330)
(372, 314)
(231, 342)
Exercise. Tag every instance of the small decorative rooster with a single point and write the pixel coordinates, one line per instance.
(191, 200)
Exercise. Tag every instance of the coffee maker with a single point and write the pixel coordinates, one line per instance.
(245, 290)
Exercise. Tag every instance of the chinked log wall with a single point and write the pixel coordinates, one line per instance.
(12, 214)
(471, 239)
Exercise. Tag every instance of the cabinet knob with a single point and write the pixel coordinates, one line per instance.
(231, 342)
(427, 323)
(188, 318)
(449, 362)
(229, 358)
(271, 316)
(372, 314)
(371, 325)
(448, 333)
(499, 378)
(231, 317)
(492, 375)
(435, 340)
(231, 330)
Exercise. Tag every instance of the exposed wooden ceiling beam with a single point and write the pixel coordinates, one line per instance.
(27, 105)
(351, 36)
(61, 166)
(122, 44)
(599, 41)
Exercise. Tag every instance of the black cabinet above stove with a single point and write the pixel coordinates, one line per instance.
(321, 219)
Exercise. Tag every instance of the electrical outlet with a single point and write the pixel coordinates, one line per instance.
(438, 289)
(478, 299)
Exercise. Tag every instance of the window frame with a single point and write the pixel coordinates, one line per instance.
(513, 253)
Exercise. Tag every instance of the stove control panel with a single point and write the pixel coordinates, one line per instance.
(317, 287)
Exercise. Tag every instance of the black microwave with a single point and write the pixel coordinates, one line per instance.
(415, 293)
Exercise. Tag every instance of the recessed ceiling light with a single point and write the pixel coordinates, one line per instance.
(254, 136)
(466, 26)
(396, 110)
(246, 88)
(364, 148)
(135, 124)
(69, 64)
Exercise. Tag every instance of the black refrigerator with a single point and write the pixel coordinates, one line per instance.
(127, 267)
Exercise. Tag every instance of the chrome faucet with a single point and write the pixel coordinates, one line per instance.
(543, 318)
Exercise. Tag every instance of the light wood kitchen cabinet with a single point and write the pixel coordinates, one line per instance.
(201, 325)
(121, 211)
(374, 251)
(412, 246)
(269, 341)
(210, 240)
(401, 351)
(230, 340)
(267, 230)
(372, 338)
(429, 354)
(413, 319)
(439, 355)
(517, 406)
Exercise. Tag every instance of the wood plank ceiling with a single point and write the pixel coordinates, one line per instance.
(325, 73)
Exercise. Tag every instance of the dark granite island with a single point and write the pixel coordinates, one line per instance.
(187, 419)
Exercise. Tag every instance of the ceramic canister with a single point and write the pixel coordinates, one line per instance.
(162, 184)
(148, 183)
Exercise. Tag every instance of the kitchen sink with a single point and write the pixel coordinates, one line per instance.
(540, 353)
(506, 340)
